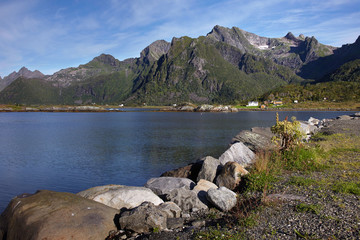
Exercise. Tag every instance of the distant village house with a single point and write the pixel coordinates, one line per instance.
(253, 104)
(278, 103)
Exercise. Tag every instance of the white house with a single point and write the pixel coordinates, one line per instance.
(253, 104)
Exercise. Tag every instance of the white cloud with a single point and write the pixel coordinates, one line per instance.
(64, 34)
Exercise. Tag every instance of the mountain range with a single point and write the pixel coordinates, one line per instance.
(226, 66)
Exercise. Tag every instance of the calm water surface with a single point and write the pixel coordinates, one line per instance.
(75, 151)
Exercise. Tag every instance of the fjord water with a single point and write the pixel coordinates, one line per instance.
(75, 151)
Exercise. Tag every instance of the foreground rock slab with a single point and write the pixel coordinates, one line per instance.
(222, 198)
(164, 185)
(121, 196)
(239, 153)
(57, 215)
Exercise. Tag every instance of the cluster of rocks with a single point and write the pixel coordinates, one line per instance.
(165, 202)
(204, 108)
(55, 109)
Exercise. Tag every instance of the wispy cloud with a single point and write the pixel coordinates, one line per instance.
(44, 34)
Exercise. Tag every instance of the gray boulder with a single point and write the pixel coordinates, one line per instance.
(164, 185)
(143, 219)
(230, 175)
(344, 117)
(265, 131)
(57, 215)
(121, 196)
(255, 141)
(209, 169)
(239, 153)
(170, 209)
(186, 199)
(308, 129)
(202, 187)
(222, 198)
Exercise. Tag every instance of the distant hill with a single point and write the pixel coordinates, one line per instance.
(23, 72)
(228, 65)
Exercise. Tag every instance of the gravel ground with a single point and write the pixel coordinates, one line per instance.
(299, 206)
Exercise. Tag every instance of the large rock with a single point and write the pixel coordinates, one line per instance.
(239, 153)
(344, 117)
(209, 169)
(265, 131)
(57, 215)
(222, 198)
(230, 175)
(143, 219)
(121, 196)
(164, 185)
(190, 171)
(95, 191)
(171, 209)
(202, 187)
(255, 141)
(186, 199)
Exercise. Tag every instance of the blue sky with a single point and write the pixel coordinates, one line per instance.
(49, 35)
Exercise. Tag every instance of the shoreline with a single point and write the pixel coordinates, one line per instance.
(214, 109)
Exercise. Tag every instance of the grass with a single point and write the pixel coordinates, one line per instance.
(347, 187)
(311, 208)
(219, 233)
(301, 181)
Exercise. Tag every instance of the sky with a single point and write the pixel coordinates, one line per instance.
(49, 35)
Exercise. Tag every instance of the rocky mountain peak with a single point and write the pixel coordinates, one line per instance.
(107, 59)
(291, 37)
(155, 50)
(357, 42)
(23, 72)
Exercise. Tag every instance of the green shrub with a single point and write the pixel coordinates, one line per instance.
(287, 134)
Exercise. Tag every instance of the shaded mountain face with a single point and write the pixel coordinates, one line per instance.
(225, 66)
(23, 72)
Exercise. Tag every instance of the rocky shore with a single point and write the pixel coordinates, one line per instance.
(175, 205)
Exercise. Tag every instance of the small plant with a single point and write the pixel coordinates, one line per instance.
(287, 133)
(303, 207)
(301, 181)
(156, 230)
(347, 187)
